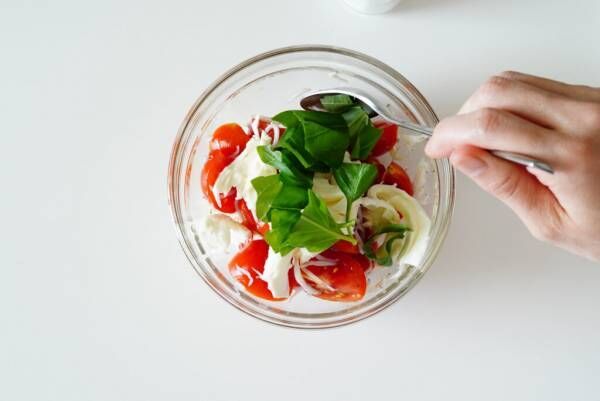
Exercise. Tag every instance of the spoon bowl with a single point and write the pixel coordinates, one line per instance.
(378, 107)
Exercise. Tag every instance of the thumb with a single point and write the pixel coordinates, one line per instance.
(532, 201)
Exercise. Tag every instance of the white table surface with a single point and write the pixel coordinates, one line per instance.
(97, 301)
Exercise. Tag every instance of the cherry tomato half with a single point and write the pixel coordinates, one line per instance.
(247, 265)
(388, 138)
(347, 278)
(230, 139)
(396, 175)
(215, 163)
(345, 246)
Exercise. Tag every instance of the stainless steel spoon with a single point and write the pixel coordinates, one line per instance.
(312, 101)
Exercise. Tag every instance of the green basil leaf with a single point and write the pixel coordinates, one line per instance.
(289, 170)
(366, 140)
(336, 103)
(293, 142)
(267, 188)
(316, 230)
(325, 144)
(282, 222)
(330, 120)
(354, 179)
(356, 120)
(273, 193)
(290, 197)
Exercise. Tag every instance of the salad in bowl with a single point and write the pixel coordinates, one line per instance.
(311, 201)
(308, 219)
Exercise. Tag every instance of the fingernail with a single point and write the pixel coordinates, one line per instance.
(470, 166)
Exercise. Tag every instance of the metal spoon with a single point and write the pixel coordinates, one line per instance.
(312, 101)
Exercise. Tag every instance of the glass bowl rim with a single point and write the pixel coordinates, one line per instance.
(173, 195)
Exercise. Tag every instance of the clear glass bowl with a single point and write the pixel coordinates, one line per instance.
(272, 82)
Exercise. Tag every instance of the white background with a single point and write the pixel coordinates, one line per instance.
(97, 301)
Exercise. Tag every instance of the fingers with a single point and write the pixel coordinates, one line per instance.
(577, 92)
(491, 129)
(541, 106)
(512, 184)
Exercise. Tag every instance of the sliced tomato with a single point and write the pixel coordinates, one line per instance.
(248, 219)
(388, 138)
(230, 139)
(347, 278)
(345, 246)
(247, 266)
(380, 169)
(215, 163)
(364, 261)
(396, 175)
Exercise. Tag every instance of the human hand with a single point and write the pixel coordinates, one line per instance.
(550, 121)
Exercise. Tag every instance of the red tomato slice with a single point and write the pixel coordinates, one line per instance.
(215, 163)
(388, 138)
(345, 246)
(230, 139)
(248, 219)
(364, 262)
(396, 175)
(380, 169)
(347, 278)
(247, 265)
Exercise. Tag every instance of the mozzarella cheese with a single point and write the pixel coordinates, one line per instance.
(275, 273)
(223, 234)
(240, 173)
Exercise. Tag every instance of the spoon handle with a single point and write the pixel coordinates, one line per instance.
(510, 156)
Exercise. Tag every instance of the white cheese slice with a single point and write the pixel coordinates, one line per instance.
(275, 273)
(223, 234)
(242, 171)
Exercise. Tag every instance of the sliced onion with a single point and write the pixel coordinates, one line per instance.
(319, 263)
(300, 279)
(322, 258)
(275, 129)
(313, 277)
(254, 126)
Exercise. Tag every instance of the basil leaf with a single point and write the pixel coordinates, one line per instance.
(354, 179)
(293, 141)
(366, 140)
(289, 171)
(356, 120)
(290, 197)
(383, 256)
(316, 230)
(291, 118)
(267, 188)
(325, 144)
(273, 193)
(363, 135)
(281, 225)
(336, 103)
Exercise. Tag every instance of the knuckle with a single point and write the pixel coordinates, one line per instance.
(509, 74)
(591, 116)
(582, 147)
(488, 120)
(494, 86)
